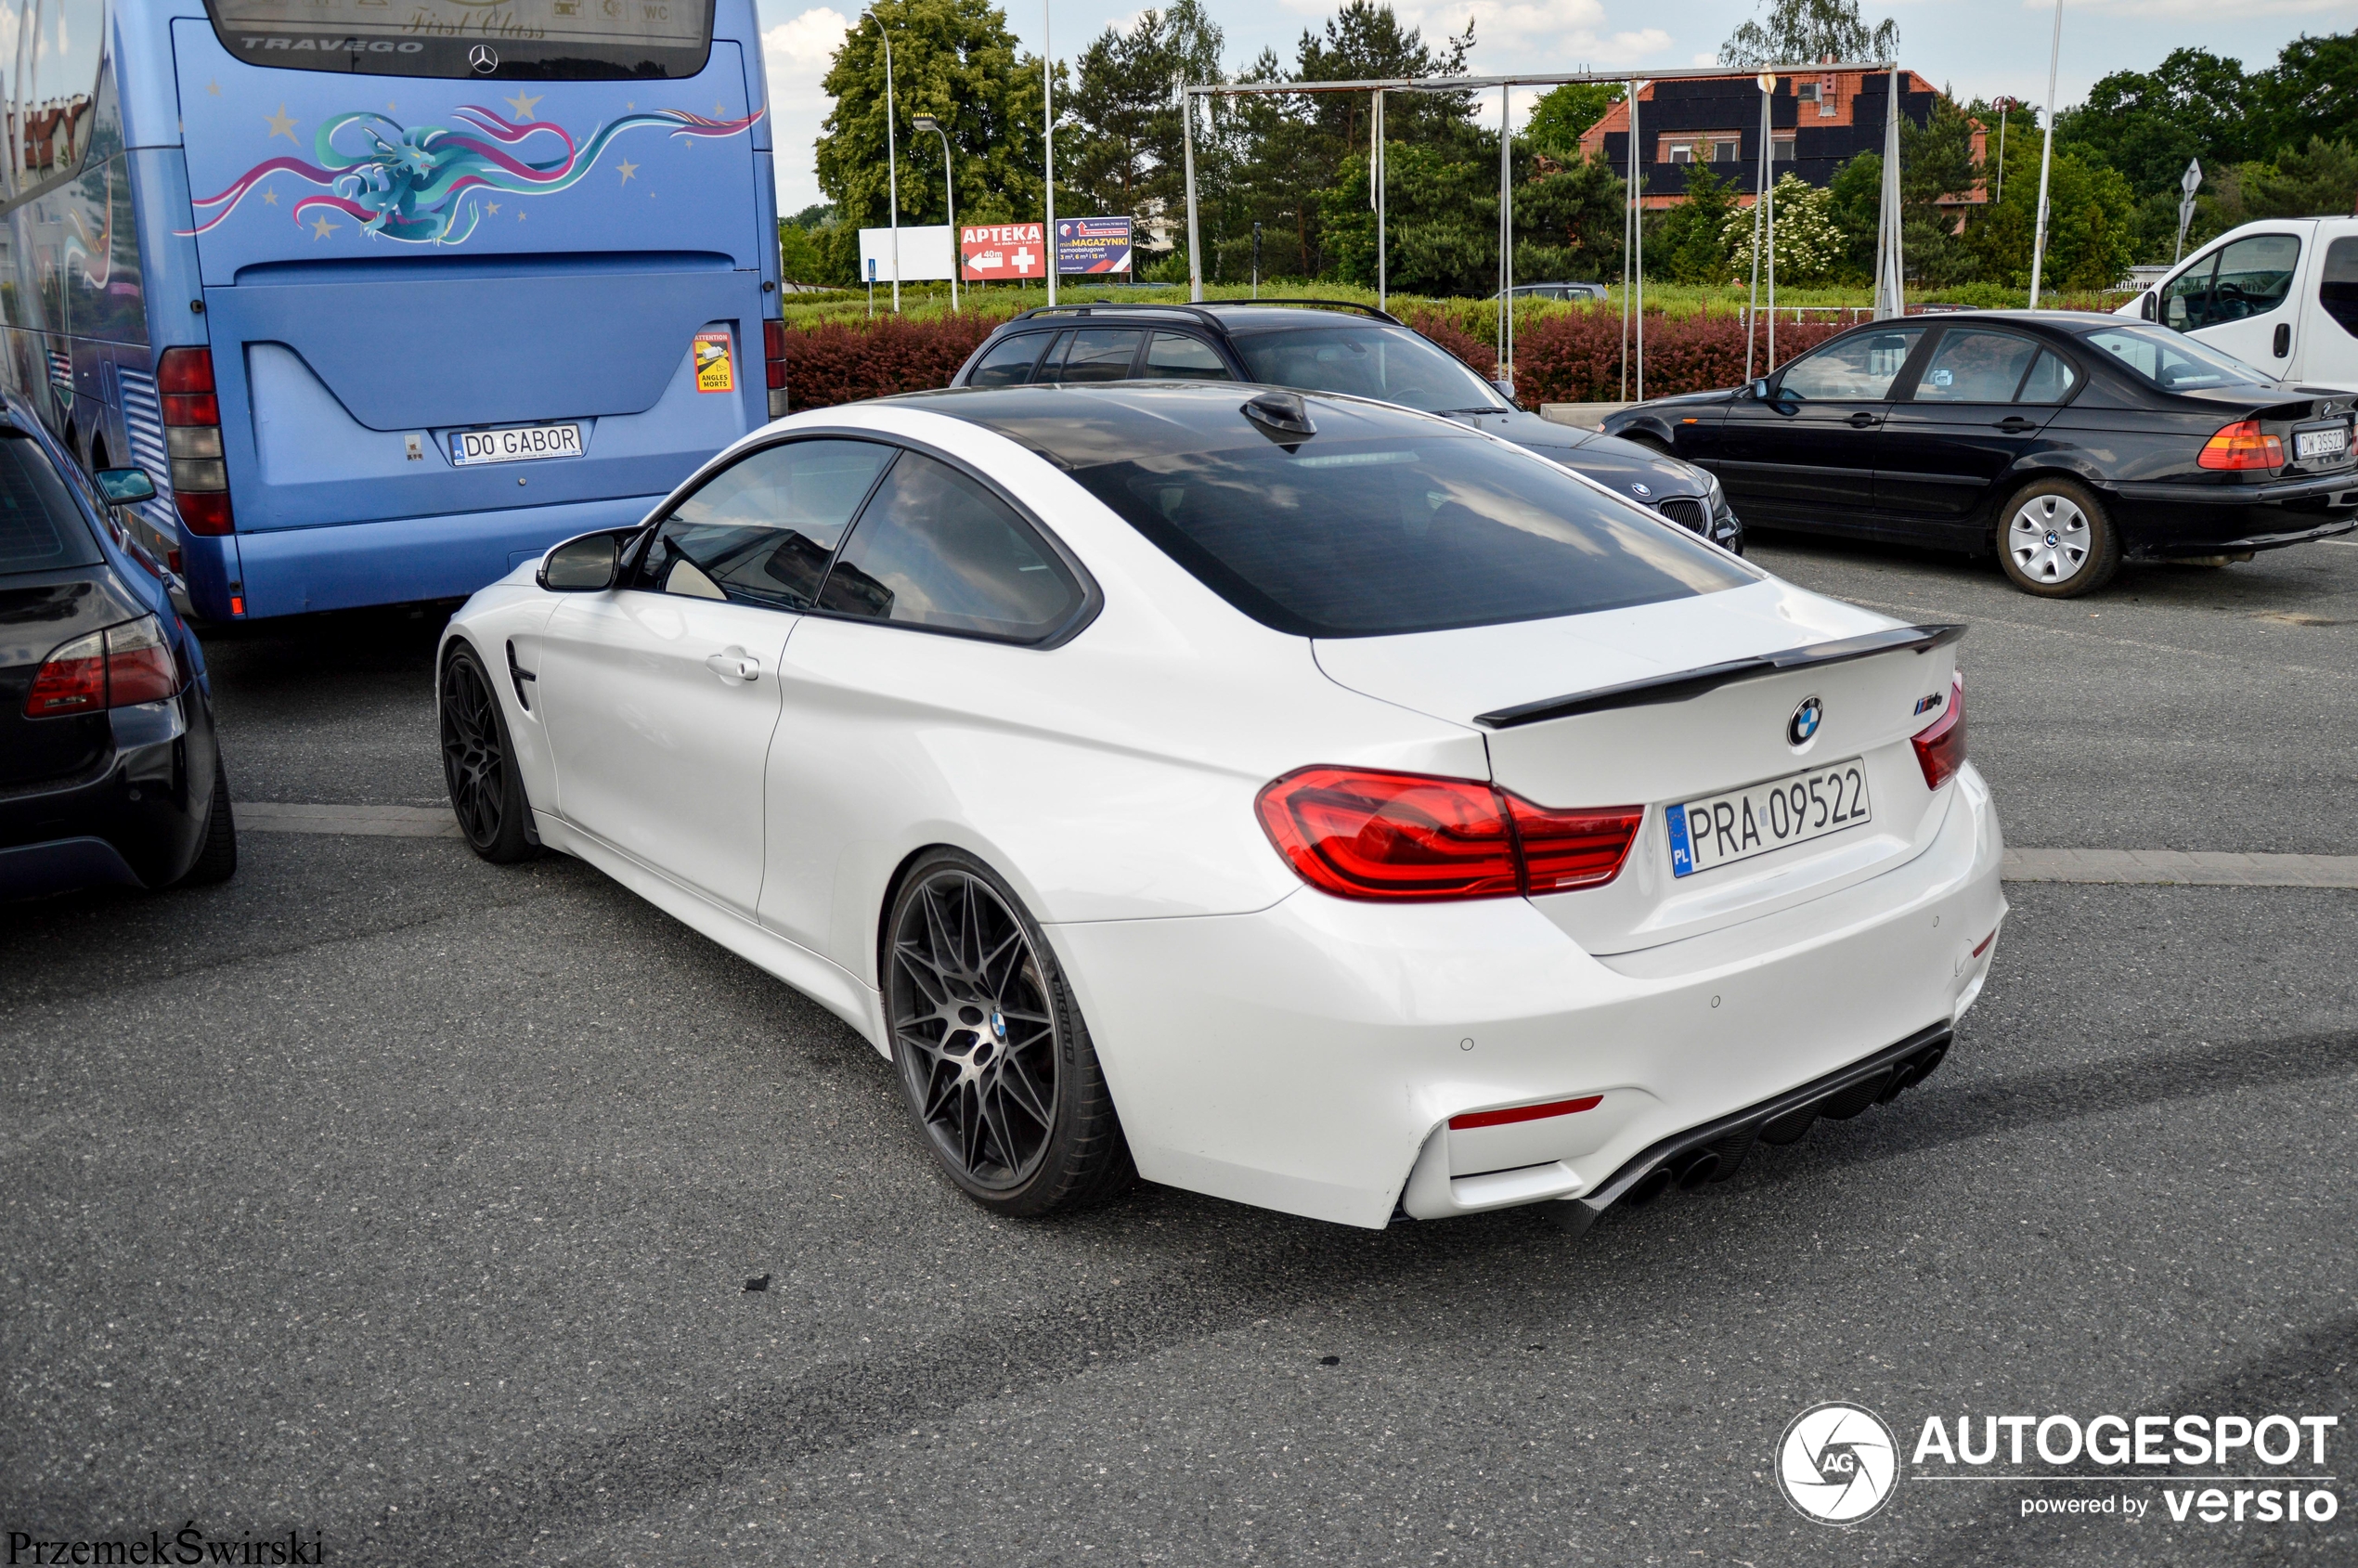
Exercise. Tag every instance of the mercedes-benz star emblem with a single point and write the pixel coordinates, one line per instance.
(485, 59)
(1837, 1464)
(1804, 722)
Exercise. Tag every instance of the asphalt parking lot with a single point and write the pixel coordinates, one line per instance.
(409, 1203)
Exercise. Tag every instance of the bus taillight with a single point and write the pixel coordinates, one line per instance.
(773, 357)
(192, 436)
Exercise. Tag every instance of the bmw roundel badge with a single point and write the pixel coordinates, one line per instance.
(1803, 726)
(1642, 491)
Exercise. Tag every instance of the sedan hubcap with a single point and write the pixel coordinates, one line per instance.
(2049, 540)
(971, 1019)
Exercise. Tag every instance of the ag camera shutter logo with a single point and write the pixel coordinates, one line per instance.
(1837, 1464)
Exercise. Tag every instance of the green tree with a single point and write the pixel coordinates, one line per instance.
(1689, 245)
(2148, 124)
(2312, 92)
(957, 61)
(802, 254)
(1855, 202)
(1564, 116)
(2320, 180)
(2091, 224)
(1797, 31)
(1127, 156)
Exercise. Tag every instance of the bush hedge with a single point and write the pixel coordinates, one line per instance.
(1570, 356)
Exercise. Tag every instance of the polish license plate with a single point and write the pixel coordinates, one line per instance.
(2332, 444)
(523, 443)
(1721, 829)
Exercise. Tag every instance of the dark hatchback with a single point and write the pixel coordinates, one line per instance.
(2063, 442)
(109, 770)
(1319, 346)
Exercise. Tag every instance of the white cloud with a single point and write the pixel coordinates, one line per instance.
(2187, 10)
(796, 54)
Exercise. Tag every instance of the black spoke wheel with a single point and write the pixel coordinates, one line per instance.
(478, 764)
(992, 1056)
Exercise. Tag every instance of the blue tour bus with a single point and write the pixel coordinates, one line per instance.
(387, 297)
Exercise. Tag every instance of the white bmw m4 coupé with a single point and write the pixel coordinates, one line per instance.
(1289, 797)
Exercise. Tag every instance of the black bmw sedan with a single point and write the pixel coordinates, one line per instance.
(109, 770)
(1317, 345)
(2064, 443)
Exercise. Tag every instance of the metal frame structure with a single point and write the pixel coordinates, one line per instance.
(1887, 258)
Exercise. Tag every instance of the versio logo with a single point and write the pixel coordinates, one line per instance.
(1837, 1463)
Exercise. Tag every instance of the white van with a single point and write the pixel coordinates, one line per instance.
(2281, 295)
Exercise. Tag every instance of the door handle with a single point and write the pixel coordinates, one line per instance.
(1861, 421)
(2283, 345)
(2014, 424)
(734, 666)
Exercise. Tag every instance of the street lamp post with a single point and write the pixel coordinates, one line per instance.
(892, 163)
(950, 195)
(1048, 143)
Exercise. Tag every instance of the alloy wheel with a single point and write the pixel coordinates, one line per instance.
(2049, 538)
(473, 765)
(976, 1034)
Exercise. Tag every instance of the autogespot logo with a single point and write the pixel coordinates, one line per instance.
(1837, 1464)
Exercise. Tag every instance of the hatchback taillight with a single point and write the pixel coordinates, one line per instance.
(2242, 444)
(1360, 834)
(192, 437)
(773, 363)
(126, 663)
(1940, 745)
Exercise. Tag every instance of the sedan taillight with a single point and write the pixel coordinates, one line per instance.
(1940, 746)
(2242, 444)
(131, 663)
(1360, 834)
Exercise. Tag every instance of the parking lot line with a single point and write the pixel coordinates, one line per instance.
(374, 821)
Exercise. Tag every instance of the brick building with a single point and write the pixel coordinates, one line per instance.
(1819, 122)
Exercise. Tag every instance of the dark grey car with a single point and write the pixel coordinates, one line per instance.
(1318, 346)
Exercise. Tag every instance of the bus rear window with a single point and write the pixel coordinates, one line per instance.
(547, 39)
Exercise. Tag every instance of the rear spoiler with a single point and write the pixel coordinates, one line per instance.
(1678, 685)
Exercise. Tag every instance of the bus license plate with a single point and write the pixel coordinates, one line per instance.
(523, 443)
(1720, 829)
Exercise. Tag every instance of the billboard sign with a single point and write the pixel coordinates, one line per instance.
(1002, 252)
(1086, 245)
(925, 253)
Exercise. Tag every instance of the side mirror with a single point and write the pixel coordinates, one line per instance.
(581, 565)
(2148, 307)
(1505, 387)
(125, 486)
(1760, 390)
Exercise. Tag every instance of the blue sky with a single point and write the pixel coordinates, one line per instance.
(1978, 48)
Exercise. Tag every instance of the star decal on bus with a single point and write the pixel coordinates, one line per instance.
(282, 124)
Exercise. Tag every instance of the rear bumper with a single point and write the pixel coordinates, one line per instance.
(292, 571)
(140, 821)
(1309, 1057)
(2158, 522)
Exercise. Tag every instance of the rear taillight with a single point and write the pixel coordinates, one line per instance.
(126, 663)
(2243, 444)
(1365, 835)
(1940, 746)
(773, 362)
(192, 437)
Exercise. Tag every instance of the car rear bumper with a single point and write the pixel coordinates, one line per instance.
(2160, 522)
(397, 560)
(140, 819)
(1310, 1056)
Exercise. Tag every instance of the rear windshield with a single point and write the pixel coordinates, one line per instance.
(2172, 362)
(41, 529)
(1389, 364)
(1375, 537)
(550, 40)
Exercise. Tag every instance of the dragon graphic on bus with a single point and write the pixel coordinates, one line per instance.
(408, 183)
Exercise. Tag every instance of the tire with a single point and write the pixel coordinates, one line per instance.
(990, 1049)
(479, 765)
(2055, 539)
(217, 857)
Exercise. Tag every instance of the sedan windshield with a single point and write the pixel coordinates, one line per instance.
(41, 529)
(1388, 363)
(2175, 363)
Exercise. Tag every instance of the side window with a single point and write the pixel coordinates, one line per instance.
(1096, 354)
(1009, 362)
(57, 55)
(2254, 276)
(2337, 290)
(1182, 356)
(2050, 379)
(1974, 366)
(936, 548)
(1853, 369)
(762, 530)
(2185, 302)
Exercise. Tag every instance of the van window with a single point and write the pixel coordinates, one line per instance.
(2247, 277)
(2337, 290)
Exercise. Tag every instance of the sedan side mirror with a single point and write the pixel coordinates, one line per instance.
(1506, 388)
(581, 565)
(1760, 390)
(125, 486)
